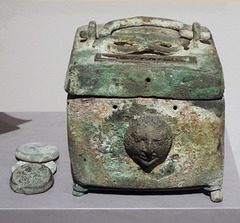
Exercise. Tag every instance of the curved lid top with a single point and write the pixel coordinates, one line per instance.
(147, 57)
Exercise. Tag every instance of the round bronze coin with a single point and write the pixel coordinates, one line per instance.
(37, 152)
(31, 178)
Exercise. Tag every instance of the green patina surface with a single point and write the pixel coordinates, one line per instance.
(96, 129)
(118, 81)
(145, 67)
(133, 70)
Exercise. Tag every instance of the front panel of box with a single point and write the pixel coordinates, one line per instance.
(146, 143)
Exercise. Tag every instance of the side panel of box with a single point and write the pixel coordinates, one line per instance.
(98, 146)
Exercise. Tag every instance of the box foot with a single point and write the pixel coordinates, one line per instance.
(215, 193)
(78, 190)
(216, 196)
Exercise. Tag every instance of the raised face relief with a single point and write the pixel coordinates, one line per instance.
(148, 141)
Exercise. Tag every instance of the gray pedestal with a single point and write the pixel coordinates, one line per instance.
(58, 205)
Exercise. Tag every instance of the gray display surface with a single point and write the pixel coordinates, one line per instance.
(58, 204)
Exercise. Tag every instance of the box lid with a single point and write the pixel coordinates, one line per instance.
(145, 57)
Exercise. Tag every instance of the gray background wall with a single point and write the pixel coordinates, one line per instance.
(36, 39)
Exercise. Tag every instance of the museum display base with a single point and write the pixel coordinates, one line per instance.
(59, 205)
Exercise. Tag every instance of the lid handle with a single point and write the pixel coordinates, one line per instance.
(194, 31)
(112, 26)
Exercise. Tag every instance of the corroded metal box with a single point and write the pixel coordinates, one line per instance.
(145, 107)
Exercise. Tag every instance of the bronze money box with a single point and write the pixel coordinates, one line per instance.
(145, 107)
